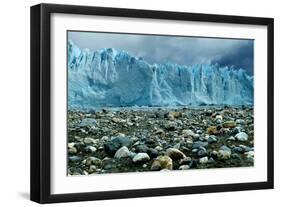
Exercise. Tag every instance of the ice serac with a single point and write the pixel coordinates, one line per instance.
(112, 78)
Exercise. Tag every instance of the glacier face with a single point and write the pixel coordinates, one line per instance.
(111, 78)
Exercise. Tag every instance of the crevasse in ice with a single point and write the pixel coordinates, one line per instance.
(112, 78)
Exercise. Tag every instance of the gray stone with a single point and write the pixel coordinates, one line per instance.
(122, 152)
(115, 143)
(202, 152)
(141, 157)
(198, 144)
(224, 153)
(241, 136)
(203, 160)
(212, 139)
(92, 161)
(89, 140)
(74, 158)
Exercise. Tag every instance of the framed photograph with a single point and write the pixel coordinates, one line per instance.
(133, 103)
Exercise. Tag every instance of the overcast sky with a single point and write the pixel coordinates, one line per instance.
(180, 50)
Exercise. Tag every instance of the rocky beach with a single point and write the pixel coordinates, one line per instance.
(116, 140)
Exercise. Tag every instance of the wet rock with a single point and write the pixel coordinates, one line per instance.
(229, 124)
(162, 162)
(122, 152)
(115, 143)
(214, 154)
(224, 153)
(203, 160)
(241, 136)
(141, 157)
(88, 122)
(175, 154)
(198, 144)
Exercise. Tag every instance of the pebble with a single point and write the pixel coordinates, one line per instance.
(177, 146)
(231, 138)
(92, 169)
(74, 158)
(161, 132)
(175, 154)
(71, 144)
(224, 153)
(203, 160)
(92, 161)
(158, 148)
(89, 140)
(240, 121)
(198, 144)
(141, 157)
(162, 162)
(122, 152)
(241, 136)
(212, 139)
(72, 150)
(153, 153)
(202, 152)
(250, 155)
(229, 124)
(115, 143)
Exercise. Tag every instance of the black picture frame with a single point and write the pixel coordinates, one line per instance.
(41, 95)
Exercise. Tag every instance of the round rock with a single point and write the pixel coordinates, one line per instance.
(141, 157)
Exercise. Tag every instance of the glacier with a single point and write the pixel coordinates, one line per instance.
(113, 78)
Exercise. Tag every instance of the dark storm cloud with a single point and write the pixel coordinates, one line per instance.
(180, 50)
